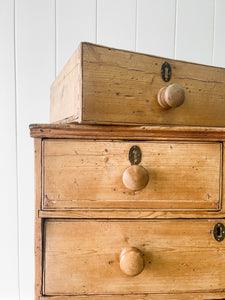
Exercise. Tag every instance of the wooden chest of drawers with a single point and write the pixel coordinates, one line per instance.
(129, 212)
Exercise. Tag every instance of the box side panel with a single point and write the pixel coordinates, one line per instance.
(66, 91)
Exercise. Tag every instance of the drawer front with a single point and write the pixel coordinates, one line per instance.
(120, 87)
(93, 174)
(177, 256)
(101, 85)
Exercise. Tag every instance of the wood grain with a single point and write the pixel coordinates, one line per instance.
(88, 174)
(121, 87)
(178, 296)
(180, 256)
(61, 89)
(38, 220)
(130, 214)
(188, 133)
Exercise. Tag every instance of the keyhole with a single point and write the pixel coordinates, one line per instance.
(219, 232)
(166, 73)
(135, 156)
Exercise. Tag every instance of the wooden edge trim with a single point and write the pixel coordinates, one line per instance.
(128, 214)
(80, 100)
(127, 132)
(149, 55)
(181, 296)
(38, 221)
(222, 183)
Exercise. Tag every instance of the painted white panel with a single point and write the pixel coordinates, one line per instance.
(219, 37)
(35, 55)
(194, 30)
(8, 186)
(116, 23)
(155, 27)
(75, 22)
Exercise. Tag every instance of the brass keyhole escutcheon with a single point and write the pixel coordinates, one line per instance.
(135, 155)
(219, 232)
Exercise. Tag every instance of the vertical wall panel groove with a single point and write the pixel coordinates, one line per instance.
(75, 22)
(155, 32)
(219, 34)
(16, 142)
(8, 184)
(194, 38)
(35, 65)
(136, 14)
(116, 23)
(175, 29)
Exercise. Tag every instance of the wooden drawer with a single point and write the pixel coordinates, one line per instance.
(101, 85)
(83, 257)
(89, 174)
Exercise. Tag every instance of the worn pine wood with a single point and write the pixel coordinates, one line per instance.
(178, 296)
(171, 96)
(121, 87)
(75, 131)
(60, 106)
(223, 183)
(135, 178)
(80, 132)
(131, 214)
(38, 220)
(88, 174)
(131, 261)
(180, 256)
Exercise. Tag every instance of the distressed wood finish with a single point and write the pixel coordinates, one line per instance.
(121, 87)
(38, 220)
(75, 131)
(88, 174)
(61, 93)
(130, 214)
(76, 250)
(180, 256)
(178, 296)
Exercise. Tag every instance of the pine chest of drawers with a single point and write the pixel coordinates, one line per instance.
(129, 212)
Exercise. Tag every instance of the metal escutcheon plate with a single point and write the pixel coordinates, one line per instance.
(166, 71)
(219, 232)
(135, 155)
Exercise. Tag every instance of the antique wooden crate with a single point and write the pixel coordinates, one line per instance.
(101, 85)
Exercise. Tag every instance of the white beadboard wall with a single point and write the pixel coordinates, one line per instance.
(37, 39)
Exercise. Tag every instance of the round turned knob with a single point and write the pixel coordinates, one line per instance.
(171, 96)
(131, 261)
(135, 178)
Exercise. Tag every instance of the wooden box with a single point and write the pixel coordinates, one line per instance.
(101, 85)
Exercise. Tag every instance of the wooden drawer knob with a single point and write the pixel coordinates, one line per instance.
(171, 96)
(131, 261)
(135, 177)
